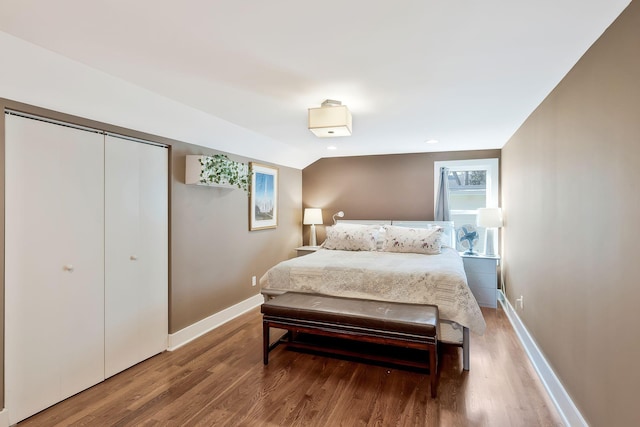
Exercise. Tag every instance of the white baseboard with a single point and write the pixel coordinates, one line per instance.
(571, 416)
(4, 418)
(192, 332)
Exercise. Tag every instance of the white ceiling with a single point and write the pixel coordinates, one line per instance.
(464, 72)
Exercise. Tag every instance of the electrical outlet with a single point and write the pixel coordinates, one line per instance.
(253, 280)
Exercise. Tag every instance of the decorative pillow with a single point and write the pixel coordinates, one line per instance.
(380, 238)
(415, 240)
(351, 237)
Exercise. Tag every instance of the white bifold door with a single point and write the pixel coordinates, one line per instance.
(85, 260)
(54, 264)
(136, 253)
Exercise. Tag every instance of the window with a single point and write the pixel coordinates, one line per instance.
(473, 184)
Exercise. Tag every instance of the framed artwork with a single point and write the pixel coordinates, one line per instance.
(263, 203)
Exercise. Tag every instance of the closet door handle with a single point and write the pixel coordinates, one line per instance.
(68, 267)
(133, 258)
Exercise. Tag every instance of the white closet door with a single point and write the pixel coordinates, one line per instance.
(136, 262)
(54, 264)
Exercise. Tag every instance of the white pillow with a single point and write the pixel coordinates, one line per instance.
(414, 240)
(380, 238)
(351, 237)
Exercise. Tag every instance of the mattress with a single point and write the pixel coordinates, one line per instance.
(388, 276)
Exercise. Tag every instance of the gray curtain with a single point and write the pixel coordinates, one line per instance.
(442, 198)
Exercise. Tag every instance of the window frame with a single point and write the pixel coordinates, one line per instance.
(491, 166)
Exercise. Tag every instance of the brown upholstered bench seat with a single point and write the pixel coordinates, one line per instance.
(379, 322)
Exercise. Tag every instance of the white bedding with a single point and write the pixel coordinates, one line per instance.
(403, 277)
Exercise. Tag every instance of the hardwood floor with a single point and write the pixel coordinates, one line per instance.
(219, 379)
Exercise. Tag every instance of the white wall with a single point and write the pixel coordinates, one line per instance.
(33, 75)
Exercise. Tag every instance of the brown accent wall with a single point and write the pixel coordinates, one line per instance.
(571, 205)
(212, 255)
(395, 186)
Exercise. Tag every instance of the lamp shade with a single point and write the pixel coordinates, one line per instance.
(490, 217)
(312, 216)
(330, 120)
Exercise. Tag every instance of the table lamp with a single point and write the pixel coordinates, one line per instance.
(312, 216)
(490, 219)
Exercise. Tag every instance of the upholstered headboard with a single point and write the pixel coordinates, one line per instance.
(448, 239)
(379, 222)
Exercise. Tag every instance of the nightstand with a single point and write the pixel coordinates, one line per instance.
(482, 277)
(306, 250)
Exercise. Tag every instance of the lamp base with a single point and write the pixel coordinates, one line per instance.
(489, 242)
(312, 236)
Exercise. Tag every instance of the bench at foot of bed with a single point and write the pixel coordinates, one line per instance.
(411, 326)
(449, 333)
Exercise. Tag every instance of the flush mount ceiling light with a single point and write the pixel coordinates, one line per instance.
(330, 120)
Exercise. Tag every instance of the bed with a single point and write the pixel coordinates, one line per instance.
(369, 262)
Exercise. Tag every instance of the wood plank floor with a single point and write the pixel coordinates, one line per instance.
(219, 379)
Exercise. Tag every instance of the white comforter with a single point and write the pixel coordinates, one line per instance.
(389, 276)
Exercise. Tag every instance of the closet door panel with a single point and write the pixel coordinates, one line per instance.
(136, 293)
(54, 264)
(122, 241)
(154, 229)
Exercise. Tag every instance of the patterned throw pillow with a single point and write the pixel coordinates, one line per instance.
(351, 237)
(416, 240)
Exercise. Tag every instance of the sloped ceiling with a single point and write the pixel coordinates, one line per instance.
(464, 72)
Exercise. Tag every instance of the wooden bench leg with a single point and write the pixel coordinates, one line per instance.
(465, 349)
(265, 342)
(433, 370)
